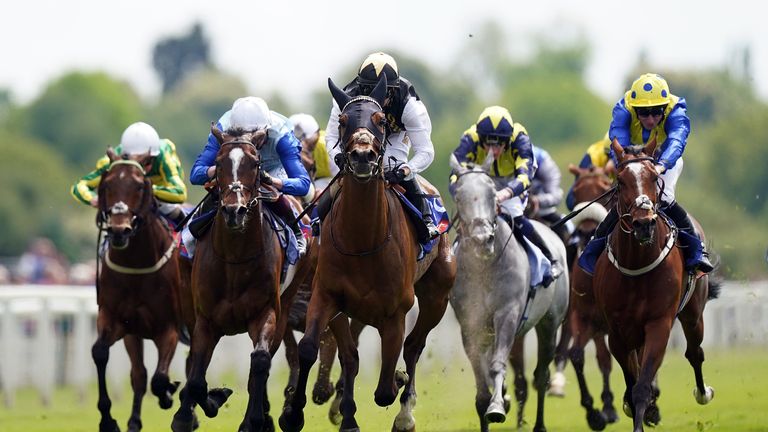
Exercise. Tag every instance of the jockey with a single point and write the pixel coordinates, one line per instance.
(597, 155)
(166, 174)
(514, 165)
(649, 109)
(280, 161)
(312, 140)
(408, 126)
(545, 193)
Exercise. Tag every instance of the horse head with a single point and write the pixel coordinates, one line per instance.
(362, 130)
(590, 183)
(238, 173)
(475, 196)
(637, 192)
(125, 196)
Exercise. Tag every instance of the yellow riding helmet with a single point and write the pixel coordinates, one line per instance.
(649, 90)
(495, 121)
(376, 64)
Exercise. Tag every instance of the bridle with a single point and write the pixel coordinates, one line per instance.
(120, 207)
(642, 201)
(236, 186)
(355, 109)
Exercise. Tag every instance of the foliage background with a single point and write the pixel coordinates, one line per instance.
(49, 142)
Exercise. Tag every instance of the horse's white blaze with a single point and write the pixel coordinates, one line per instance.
(236, 155)
(637, 170)
(405, 420)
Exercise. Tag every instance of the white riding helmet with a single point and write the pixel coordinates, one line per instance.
(304, 125)
(140, 138)
(250, 113)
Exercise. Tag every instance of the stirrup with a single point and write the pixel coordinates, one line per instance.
(301, 245)
(434, 232)
(556, 269)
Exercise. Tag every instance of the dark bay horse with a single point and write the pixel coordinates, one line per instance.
(236, 283)
(367, 270)
(494, 301)
(138, 286)
(640, 285)
(585, 321)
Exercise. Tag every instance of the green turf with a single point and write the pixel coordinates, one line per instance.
(446, 401)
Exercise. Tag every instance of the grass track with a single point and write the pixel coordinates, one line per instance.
(446, 401)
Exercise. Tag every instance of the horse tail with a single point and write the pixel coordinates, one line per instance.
(714, 281)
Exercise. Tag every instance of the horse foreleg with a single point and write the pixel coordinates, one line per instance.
(546, 334)
(350, 364)
(100, 353)
(582, 332)
(134, 346)
(517, 360)
(692, 322)
(162, 387)
(557, 383)
(605, 364)
(391, 345)
(505, 325)
(334, 413)
(292, 357)
(655, 344)
(262, 333)
(319, 312)
(196, 389)
(323, 389)
(622, 355)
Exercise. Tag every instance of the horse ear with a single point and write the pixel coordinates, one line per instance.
(217, 133)
(258, 138)
(112, 155)
(487, 162)
(338, 94)
(454, 163)
(617, 149)
(650, 148)
(145, 161)
(380, 91)
(574, 169)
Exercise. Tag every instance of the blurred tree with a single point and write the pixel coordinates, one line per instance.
(174, 58)
(80, 114)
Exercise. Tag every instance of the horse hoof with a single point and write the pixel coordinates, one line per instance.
(610, 415)
(495, 414)
(627, 409)
(184, 422)
(595, 420)
(652, 416)
(703, 399)
(411, 429)
(219, 395)
(322, 393)
(401, 378)
(557, 385)
(334, 413)
(292, 425)
(165, 401)
(108, 425)
(507, 403)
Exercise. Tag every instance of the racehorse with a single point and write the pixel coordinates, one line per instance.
(236, 283)
(640, 285)
(585, 321)
(492, 297)
(138, 286)
(367, 270)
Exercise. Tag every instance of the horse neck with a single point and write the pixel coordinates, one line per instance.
(235, 244)
(363, 213)
(630, 252)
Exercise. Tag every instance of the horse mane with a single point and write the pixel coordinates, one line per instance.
(236, 132)
(635, 150)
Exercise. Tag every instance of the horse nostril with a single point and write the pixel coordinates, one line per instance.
(242, 211)
(370, 156)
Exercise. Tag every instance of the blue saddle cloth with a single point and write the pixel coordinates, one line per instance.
(439, 216)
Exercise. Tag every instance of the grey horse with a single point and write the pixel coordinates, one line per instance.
(490, 293)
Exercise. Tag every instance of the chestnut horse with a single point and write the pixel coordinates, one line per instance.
(640, 285)
(138, 286)
(585, 321)
(236, 283)
(367, 270)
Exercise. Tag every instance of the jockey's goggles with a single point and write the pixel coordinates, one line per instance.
(650, 111)
(494, 141)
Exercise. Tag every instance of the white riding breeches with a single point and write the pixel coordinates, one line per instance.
(670, 177)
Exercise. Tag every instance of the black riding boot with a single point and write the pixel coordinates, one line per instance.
(284, 210)
(416, 196)
(680, 217)
(523, 226)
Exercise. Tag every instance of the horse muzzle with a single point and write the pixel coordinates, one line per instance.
(644, 230)
(363, 163)
(235, 215)
(118, 235)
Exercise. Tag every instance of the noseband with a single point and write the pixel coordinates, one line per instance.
(121, 207)
(360, 114)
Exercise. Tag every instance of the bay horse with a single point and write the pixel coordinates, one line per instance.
(492, 297)
(367, 270)
(138, 288)
(236, 283)
(640, 285)
(585, 321)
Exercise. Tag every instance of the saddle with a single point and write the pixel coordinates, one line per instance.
(439, 214)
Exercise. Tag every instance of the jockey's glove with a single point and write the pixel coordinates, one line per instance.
(265, 178)
(394, 176)
(503, 195)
